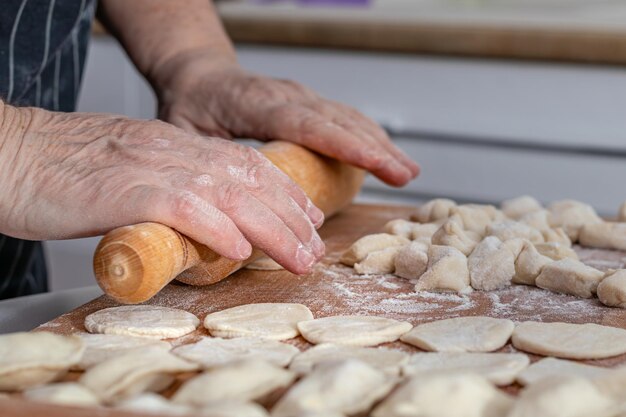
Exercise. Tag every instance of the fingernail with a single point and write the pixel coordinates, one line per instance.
(318, 246)
(305, 258)
(316, 215)
(244, 249)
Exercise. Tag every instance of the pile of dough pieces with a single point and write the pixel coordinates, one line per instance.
(461, 248)
(243, 368)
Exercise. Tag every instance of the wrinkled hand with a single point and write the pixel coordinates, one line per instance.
(73, 175)
(226, 101)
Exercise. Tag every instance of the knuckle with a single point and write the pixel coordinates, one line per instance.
(231, 197)
(183, 206)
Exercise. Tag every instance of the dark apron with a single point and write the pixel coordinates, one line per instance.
(43, 44)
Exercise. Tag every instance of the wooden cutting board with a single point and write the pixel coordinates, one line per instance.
(333, 289)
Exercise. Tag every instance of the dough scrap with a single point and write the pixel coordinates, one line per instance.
(556, 251)
(510, 229)
(411, 260)
(387, 360)
(529, 265)
(433, 210)
(476, 217)
(612, 289)
(569, 276)
(606, 235)
(233, 409)
(28, 359)
(449, 395)
(66, 393)
(572, 215)
(142, 321)
(370, 243)
(148, 369)
(151, 403)
(461, 334)
(101, 347)
(570, 341)
(275, 321)
(499, 368)
(210, 352)
(447, 271)
(550, 367)
(378, 262)
(353, 330)
(451, 233)
(518, 207)
(491, 265)
(246, 380)
(264, 263)
(348, 387)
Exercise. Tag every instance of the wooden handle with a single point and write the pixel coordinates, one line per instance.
(133, 263)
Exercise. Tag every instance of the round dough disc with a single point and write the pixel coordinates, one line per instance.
(461, 334)
(353, 330)
(570, 341)
(273, 321)
(142, 320)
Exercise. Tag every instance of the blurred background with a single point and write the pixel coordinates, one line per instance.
(494, 98)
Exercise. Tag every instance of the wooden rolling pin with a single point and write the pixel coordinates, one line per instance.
(133, 263)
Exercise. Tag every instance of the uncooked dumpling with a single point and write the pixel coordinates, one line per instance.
(143, 321)
(556, 235)
(604, 235)
(461, 334)
(100, 347)
(550, 367)
(151, 403)
(370, 243)
(510, 229)
(233, 409)
(66, 393)
(447, 271)
(424, 232)
(36, 358)
(433, 210)
(556, 251)
(451, 233)
(570, 341)
(411, 260)
(378, 262)
(353, 330)
(491, 265)
(210, 352)
(477, 217)
(529, 264)
(400, 227)
(569, 276)
(264, 263)
(612, 289)
(516, 208)
(572, 215)
(275, 321)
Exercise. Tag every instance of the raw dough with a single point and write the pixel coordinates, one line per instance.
(411, 260)
(275, 321)
(353, 330)
(445, 395)
(370, 243)
(518, 207)
(35, 358)
(612, 289)
(550, 367)
(386, 360)
(562, 397)
(510, 229)
(100, 347)
(539, 220)
(569, 276)
(246, 380)
(612, 384)
(476, 217)
(142, 320)
(556, 251)
(424, 232)
(451, 233)
(491, 265)
(499, 368)
(572, 215)
(447, 271)
(461, 334)
(570, 341)
(556, 235)
(66, 393)
(433, 210)
(400, 227)
(378, 262)
(529, 264)
(151, 403)
(264, 263)
(210, 352)
(604, 235)
(148, 369)
(233, 409)
(348, 387)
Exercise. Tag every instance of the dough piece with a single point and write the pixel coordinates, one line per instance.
(539, 220)
(605, 235)
(612, 383)
(143, 321)
(378, 262)
(348, 387)
(353, 330)
(447, 271)
(433, 210)
(461, 334)
(233, 409)
(411, 260)
(370, 243)
(101, 347)
(570, 341)
(556, 251)
(400, 227)
(35, 358)
(499, 368)
(491, 265)
(451, 233)
(572, 215)
(66, 393)
(529, 264)
(439, 395)
(264, 263)
(509, 229)
(424, 232)
(516, 208)
(621, 214)
(551, 367)
(275, 321)
(612, 289)
(569, 276)
(556, 235)
(148, 369)
(247, 380)
(477, 217)
(151, 403)
(561, 397)
(210, 352)
(387, 360)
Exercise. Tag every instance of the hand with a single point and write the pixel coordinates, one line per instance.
(73, 175)
(226, 101)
